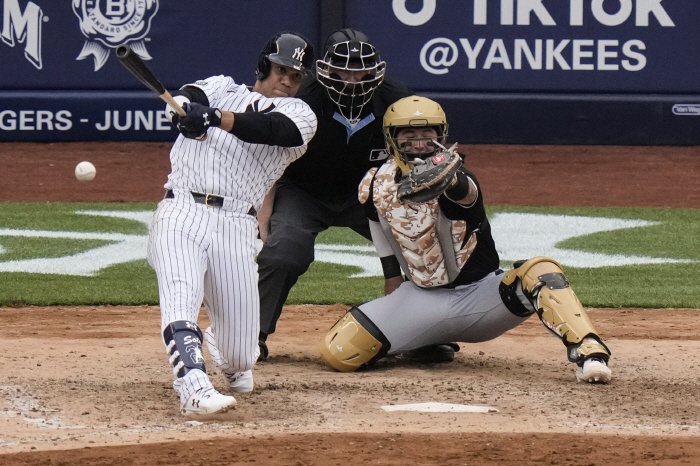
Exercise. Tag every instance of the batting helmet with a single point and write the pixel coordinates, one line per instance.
(288, 49)
(412, 112)
(351, 69)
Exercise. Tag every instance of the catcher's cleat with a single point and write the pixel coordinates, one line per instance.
(264, 352)
(593, 370)
(432, 353)
(539, 285)
(207, 401)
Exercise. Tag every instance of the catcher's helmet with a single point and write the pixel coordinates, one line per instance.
(288, 49)
(413, 112)
(349, 51)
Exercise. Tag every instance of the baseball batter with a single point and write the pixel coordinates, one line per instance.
(428, 220)
(233, 146)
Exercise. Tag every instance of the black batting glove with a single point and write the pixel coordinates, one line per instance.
(199, 118)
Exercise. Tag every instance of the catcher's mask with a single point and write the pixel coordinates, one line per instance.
(421, 115)
(350, 70)
(286, 49)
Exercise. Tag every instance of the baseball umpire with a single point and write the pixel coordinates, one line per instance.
(428, 220)
(233, 146)
(349, 96)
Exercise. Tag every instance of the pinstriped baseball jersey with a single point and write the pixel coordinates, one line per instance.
(227, 166)
(207, 254)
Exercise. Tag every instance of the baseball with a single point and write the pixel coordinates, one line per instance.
(85, 171)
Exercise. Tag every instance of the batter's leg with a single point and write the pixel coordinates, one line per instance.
(231, 294)
(176, 252)
(240, 382)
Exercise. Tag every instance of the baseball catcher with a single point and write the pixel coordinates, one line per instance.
(428, 221)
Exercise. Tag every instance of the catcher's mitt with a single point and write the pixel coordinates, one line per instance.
(429, 178)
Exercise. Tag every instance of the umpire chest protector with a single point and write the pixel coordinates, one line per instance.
(431, 248)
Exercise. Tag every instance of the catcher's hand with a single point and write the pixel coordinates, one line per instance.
(199, 118)
(429, 178)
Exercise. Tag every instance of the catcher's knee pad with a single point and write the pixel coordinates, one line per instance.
(352, 342)
(541, 280)
(183, 344)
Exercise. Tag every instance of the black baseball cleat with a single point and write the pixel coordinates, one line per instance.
(264, 353)
(444, 352)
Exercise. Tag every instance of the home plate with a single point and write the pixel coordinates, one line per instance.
(433, 407)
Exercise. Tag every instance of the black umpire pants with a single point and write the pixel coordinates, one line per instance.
(297, 219)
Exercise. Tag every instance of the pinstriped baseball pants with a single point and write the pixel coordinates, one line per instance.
(207, 254)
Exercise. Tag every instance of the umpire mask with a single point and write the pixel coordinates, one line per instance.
(350, 70)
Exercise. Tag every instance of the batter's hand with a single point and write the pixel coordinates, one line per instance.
(199, 118)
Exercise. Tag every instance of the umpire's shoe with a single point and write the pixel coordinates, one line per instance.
(433, 353)
(264, 352)
(207, 401)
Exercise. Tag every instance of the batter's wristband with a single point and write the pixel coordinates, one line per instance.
(390, 266)
(461, 188)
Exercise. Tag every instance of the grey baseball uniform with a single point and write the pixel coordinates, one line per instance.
(434, 309)
(203, 246)
(429, 221)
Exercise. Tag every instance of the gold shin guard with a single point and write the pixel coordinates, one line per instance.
(543, 282)
(353, 342)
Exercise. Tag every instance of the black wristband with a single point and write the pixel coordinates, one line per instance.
(461, 188)
(390, 266)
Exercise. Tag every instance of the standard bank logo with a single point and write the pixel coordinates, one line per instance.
(107, 24)
(23, 26)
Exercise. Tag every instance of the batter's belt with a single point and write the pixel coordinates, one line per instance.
(210, 200)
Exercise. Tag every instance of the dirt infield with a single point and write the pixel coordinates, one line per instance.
(96, 380)
(91, 385)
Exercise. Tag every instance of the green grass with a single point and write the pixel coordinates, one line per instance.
(18, 248)
(134, 283)
(62, 217)
(677, 236)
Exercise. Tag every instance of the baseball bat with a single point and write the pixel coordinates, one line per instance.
(143, 73)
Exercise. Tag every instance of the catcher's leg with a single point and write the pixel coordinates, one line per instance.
(353, 342)
(540, 282)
